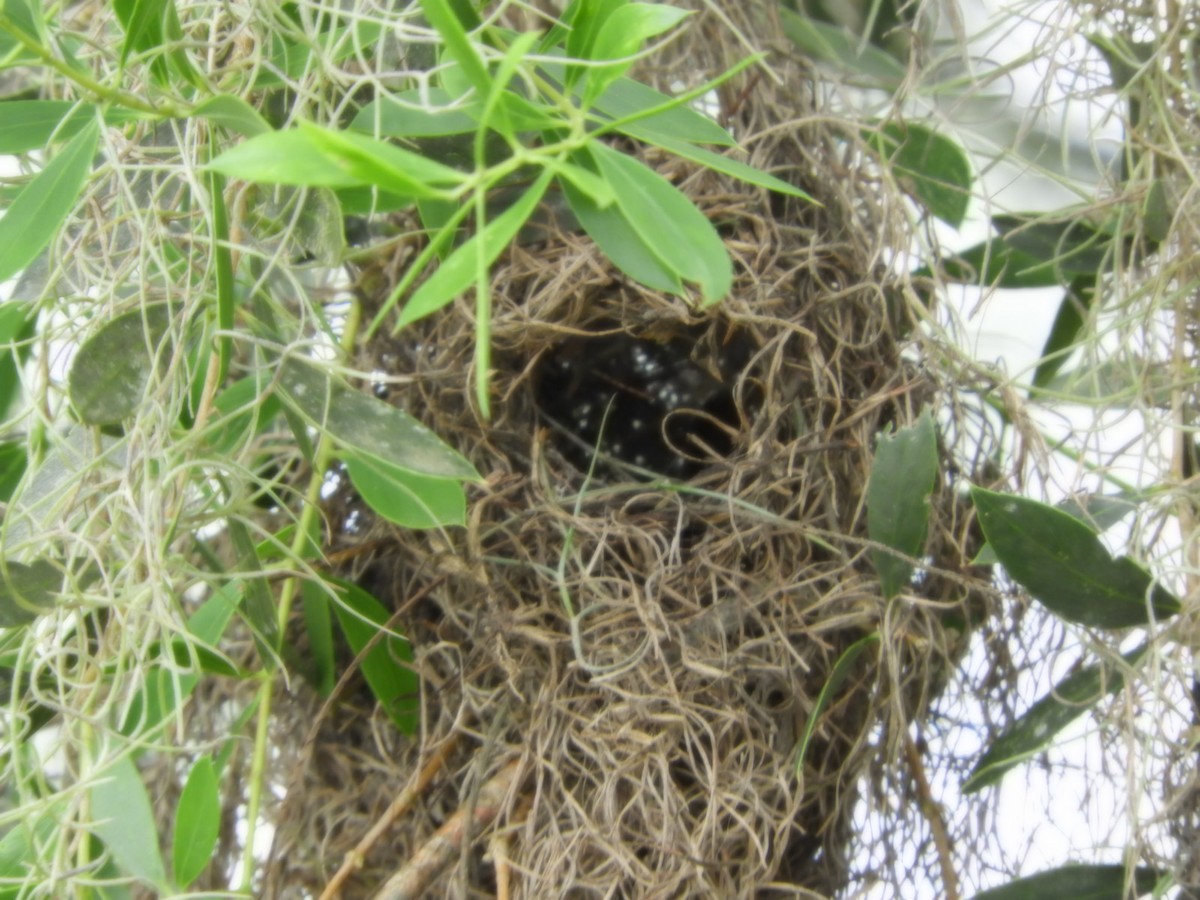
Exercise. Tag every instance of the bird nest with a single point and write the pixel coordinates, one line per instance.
(622, 649)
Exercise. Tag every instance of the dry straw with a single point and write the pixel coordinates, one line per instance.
(646, 656)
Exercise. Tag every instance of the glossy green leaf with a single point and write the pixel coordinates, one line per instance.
(123, 819)
(668, 223)
(1066, 330)
(837, 676)
(387, 664)
(111, 370)
(233, 113)
(460, 269)
(1077, 882)
(903, 474)
(935, 168)
(406, 498)
(197, 822)
(39, 210)
(1036, 729)
(620, 36)
(318, 626)
(1062, 563)
(1099, 511)
(613, 234)
(367, 425)
(839, 48)
(27, 591)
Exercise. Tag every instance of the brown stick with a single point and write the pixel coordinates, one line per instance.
(932, 811)
(425, 865)
(354, 859)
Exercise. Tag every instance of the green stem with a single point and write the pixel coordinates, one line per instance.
(308, 518)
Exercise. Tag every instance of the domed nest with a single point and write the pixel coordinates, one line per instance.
(667, 557)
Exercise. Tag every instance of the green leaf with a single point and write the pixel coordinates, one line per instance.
(233, 113)
(586, 18)
(720, 163)
(668, 223)
(17, 322)
(197, 822)
(111, 370)
(317, 157)
(382, 164)
(994, 263)
(38, 211)
(408, 499)
(411, 114)
(620, 36)
(903, 475)
(318, 625)
(1037, 727)
(14, 459)
(246, 409)
(837, 675)
(1068, 324)
(1075, 881)
(387, 665)
(367, 425)
(29, 124)
(457, 44)
(613, 234)
(461, 267)
(258, 606)
(20, 846)
(837, 47)
(627, 97)
(27, 591)
(1073, 248)
(1061, 562)
(124, 820)
(935, 168)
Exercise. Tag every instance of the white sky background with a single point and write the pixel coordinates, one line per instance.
(1076, 810)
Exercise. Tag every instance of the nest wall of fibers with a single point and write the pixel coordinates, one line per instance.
(654, 731)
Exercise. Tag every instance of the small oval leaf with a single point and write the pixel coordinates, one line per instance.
(197, 822)
(903, 476)
(386, 663)
(109, 373)
(406, 498)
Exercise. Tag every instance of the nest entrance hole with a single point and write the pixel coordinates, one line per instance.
(665, 401)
